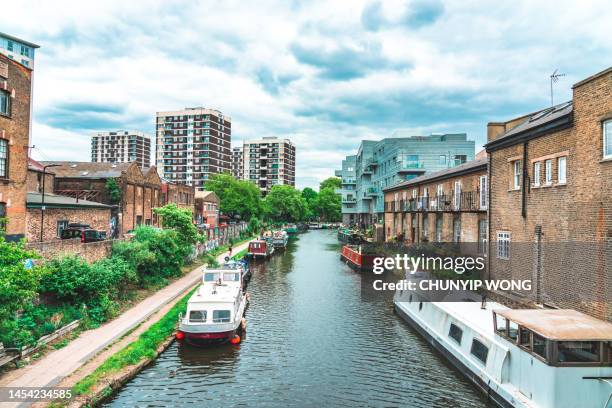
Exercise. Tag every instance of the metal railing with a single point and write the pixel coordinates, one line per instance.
(468, 201)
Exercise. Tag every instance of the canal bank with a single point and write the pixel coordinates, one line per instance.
(311, 341)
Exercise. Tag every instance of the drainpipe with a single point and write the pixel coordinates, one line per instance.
(524, 183)
(489, 234)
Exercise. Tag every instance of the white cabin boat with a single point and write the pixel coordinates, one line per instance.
(215, 312)
(535, 358)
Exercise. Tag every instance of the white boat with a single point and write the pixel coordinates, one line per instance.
(215, 312)
(528, 358)
(280, 239)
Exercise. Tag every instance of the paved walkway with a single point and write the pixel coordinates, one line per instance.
(56, 365)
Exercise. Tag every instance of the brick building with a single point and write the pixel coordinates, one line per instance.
(551, 201)
(15, 96)
(207, 208)
(35, 177)
(140, 190)
(444, 206)
(180, 194)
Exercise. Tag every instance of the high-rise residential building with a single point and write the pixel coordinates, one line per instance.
(121, 146)
(18, 50)
(237, 163)
(384, 163)
(268, 162)
(348, 189)
(193, 144)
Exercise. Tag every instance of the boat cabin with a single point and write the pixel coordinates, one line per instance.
(221, 277)
(557, 337)
(260, 247)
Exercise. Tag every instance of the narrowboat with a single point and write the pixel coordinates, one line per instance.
(532, 358)
(314, 226)
(215, 312)
(291, 229)
(280, 239)
(357, 257)
(260, 248)
(349, 236)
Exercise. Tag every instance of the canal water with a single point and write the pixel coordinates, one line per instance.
(311, 342)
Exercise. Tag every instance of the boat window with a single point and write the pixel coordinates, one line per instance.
(197, 316)
(230, 277)
(539, 345)
(211, 276)
(479, 350)
(500, 325)
(420, 306)
(512, 330)
(578, 351)
(410, 299)
(455, 333)
(221, 316)
(524, 338)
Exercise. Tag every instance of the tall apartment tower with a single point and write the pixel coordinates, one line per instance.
(121, 146)
(237, 163)
(268, 162)
(193, 144)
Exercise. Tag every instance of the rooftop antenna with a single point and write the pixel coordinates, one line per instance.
(554, 77)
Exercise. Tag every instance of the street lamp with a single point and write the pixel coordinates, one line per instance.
(42, 204)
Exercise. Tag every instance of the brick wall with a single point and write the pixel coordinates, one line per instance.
(15, 129)
(34, 182)
(91, 251)
(99, 219)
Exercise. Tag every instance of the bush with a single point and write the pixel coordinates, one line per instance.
(254, 226)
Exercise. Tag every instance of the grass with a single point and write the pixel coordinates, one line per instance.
(144, 347)
(240, 254)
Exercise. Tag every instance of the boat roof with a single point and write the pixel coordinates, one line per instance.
(472, 314)
(215, 294)
(560, 324)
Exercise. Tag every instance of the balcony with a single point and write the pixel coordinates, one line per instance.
(468, 201)
(349, 181)
(372, 191)
(372, 161)
(349, 200)
(411, 167)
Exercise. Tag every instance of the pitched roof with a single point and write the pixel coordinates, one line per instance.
(536, 124)
(34, 200)
(465, 168)
(89, 170)
(207, 195)
(37, 166)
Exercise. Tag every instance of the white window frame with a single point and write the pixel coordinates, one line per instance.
(548, 172)
(562, 170)
(457, 190)
(440, 190)
(537, 173)
(503, 244)
(484, 188)
(607, 138)
(517, 173)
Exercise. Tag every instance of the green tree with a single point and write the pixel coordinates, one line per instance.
(114, 190)
(311, 198)
(331, 182)
(285, 203)
(18, 283)
(238, 197)
(328, 205)
(180, 220)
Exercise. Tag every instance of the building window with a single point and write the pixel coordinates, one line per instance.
(607, 139)
(438, 227)
(442, 160)
(482, 237)
(9, 46)
(61, 225)
(4, 156)
(457, 229)
(457, 195)
(479, 350)
(517, 174)
(425, 227)
(460, 159)
(562, 170)
(440, 190)
(536, 173)
(503, 245)
(548, 171)
(25, 51)
(484, 187)
(5, 103)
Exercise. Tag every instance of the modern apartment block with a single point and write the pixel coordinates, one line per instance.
(237, 163)
(550, 212)
(121, 146)
(268, 162)
(384, 163)
(348, 189)
(192, 144)
(18, 50)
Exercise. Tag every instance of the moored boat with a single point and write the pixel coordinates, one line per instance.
(260, 248)
(279, 239)
(349, 236)
(532, 358)
(357, 257)
(215, 312)
(314, 226)
(291, 229)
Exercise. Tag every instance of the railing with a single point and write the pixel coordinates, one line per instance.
(372, 191)
(349, 200)
(468, 201)
(349, 181)
(89, 195)
(411, 165)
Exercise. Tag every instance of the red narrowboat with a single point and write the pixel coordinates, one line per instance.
(357, 258)
(260, 248)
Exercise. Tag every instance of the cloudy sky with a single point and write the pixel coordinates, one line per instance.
(324, 74)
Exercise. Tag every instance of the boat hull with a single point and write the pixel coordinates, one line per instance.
(492, 394)
(205, 339)
(356, 260)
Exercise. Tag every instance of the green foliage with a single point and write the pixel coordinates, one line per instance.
(285, 203)
(331, 182)
(238, 197)
(328, 205)
(254, 226)
(181, 221)
(18, 285)
(114, 190)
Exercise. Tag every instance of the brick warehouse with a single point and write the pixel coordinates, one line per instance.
(550, 199)
(443, 206)
(140, 190)
(15, 99)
